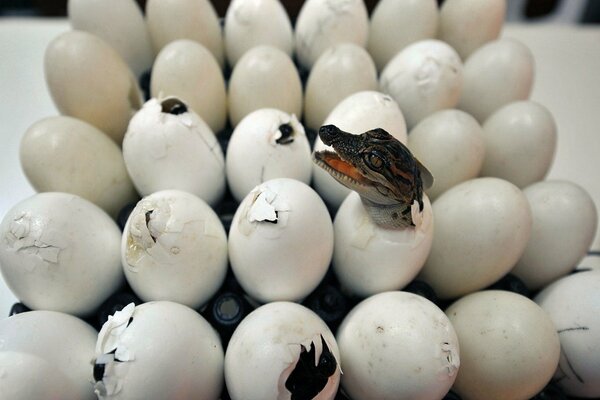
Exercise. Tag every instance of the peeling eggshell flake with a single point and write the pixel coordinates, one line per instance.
(281, 241)
(270, 356)
(279, 149)
(174, 248)
(60, 252)
(156, 350)
(397, 345)
(168, 146)
(87, 79)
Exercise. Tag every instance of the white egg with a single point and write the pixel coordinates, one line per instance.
(168, 146)
(187, 70)
(564, 225)
(423, 78)
(450, 144)
(250, 23)
(87, 79)
(64, 154)
(265, 77)
(397, 345)
(174, 248)
(496, 74)
(281, 241)
(52, 350)
(197, 20)
(340, 71)
(158, 350)
(466, 25)
(324, 23)
(60, 252)
(520, 143)
(282, 350)
(396, 24)
(120, 23)
(278, 149)
(356, 114)
(573, 304)
(368, 259)
(481, 229)
(509, 348)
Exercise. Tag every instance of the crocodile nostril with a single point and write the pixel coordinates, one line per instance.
(327, 133)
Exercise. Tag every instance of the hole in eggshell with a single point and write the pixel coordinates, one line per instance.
(287, 134)
(173, 106)
(148, 216)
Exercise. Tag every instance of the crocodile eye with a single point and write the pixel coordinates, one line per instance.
(374, 161)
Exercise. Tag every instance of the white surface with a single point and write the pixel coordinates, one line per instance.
(566, 81)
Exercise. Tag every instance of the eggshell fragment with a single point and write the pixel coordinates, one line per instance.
(52, 349)
(423, 78)
(197, 20)
(340, 71)
(64, 154)
(573, 304)
(368, 259)
(174, 248)
(251, 23)
(119, 23)
(397, 345)
(468, 24)
(498, 73)
(509, 348)
(166, 149)
(324, 23)
(187, 70)
(481, 229)
(88, 80)
(266, 348)
(158, 350)
(281, 241)
(520, 143)
(265, 77)
(279, 146)
(395, 24)
(557, 207)
(450, 144)
(60, 252)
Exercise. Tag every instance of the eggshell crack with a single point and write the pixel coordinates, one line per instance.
(266, 207)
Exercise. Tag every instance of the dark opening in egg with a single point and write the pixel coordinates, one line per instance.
(173, 106)
(287, 134)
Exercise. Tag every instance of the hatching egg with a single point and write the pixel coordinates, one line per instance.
(481, 229)
(87, 79)
(450, 143)
(197, 20)
(368, 259)
(187, 70)
(356, 114)
(397, 345)
(46, 351)
(509, 348)
(340, 71)
(564, 225)
(60, 252)
(120, 23)
(496, 74)
(266, 144)
(174, 248)
(168, 146)
(158, 350)
(64, 154)
(281, 241)
(396, 24)
(265, 77)
(466, 25)
(520, 142)
(423, 78)
(324, 23)
(573, 304)
(282, 351)
(251, 23)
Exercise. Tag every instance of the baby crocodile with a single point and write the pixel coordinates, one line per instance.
(388, 178)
